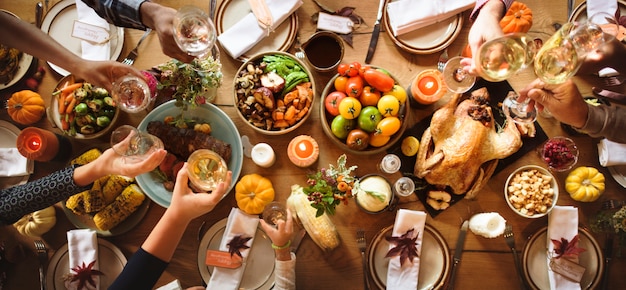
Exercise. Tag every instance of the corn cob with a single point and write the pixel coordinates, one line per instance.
(114, 186)
(76, 203)
(321, 229)
(87, 157)
(120, 209)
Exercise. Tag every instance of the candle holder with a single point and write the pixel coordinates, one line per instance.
(42, 145)
(303, 151)
(428, 87)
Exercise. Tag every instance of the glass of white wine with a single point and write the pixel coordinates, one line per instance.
(195, 32)
(131, 94)
(206, 169)
(133, 144)
(561, 56)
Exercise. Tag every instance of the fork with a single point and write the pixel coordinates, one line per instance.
(510, 241)
(298, 46)
(613, 204)
(360, 240)
(42, 254)
(613, 80)
(443, 58)
(132, 55)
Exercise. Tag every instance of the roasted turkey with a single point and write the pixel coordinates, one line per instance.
(461, 147)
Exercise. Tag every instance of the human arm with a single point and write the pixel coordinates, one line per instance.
(31, 40)
(564, 101)
(280, 235)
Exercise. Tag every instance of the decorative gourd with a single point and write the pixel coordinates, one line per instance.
(37, 223)
(26, 107)
(585, 184)
(321, 229)
(519, 18)
(253, 192)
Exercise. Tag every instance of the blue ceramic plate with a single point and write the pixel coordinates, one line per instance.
(223, 129)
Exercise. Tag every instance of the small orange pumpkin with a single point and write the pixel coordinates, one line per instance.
(26, 107)
(519, 18)
(253, 192)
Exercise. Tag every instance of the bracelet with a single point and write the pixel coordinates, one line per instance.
(275, 247)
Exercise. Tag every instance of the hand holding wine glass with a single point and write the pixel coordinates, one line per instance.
(195, 32)
(133, 144)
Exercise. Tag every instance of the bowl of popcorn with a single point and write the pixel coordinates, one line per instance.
(531, 191)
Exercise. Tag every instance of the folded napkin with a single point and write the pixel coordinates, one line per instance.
(562, 223)
(611, 153)
(91, 50)
(408, 15)
(242, 36)
(405, 276)
(82, 246)
(239, 223)
(174, 285)
(13, 163)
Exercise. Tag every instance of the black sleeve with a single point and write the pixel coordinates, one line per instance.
(142, 271)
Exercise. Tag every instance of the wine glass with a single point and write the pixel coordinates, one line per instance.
(133, 144)
(206, 169)
(519, 112)
(273, 212)
(456, 79)
(195, 33)
(131, 94)
(561, 55)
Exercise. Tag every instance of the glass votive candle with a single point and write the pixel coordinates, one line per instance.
(404, 186)
(263, 155)
(42, 145)
(428, 87)
(390, 164)
(206, 169)
(131, 94)
(303, 151)
(559, 153)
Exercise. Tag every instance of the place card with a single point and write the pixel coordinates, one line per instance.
(334, 23)
(567, 269)
(222, 259)
(88, 32)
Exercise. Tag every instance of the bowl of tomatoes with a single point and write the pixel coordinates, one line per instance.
(364, 109)
(274, 92)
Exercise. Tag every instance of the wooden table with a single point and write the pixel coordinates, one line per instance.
(487, 263)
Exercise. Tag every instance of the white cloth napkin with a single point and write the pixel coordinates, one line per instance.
(405, 276)
(242, 36)
(562, 223)
(408, 15)
(82, 246)
(90, 50)
(611, 153)
(239, 223)
(13, 163)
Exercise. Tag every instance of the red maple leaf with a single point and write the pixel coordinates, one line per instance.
(566, 248)
(237, 244)
(84, 274)
(406, 246)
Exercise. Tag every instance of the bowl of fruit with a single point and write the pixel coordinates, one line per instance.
(559, 153)
(363, 109)
(82, 110)
(274, 92)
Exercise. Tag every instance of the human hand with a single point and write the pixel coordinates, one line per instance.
(486, 27)
(610, 54)
(187, 205)
(161, 19)
(104, 73)
(112, 163)
(564, 101)
(281, 234)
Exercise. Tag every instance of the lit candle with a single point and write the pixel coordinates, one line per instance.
(303, 151)
(263, 155)
(41, 145)
(428, 87)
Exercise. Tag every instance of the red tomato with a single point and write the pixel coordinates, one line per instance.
(353, 69)
(340, 83)
(363, 69)
(369, 96)
(332, 102)
(379, 80)
(354, 86)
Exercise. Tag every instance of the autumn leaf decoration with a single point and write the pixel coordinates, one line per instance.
(84, 274)
(345, 12)
(236, 244)
(406, 246)
(564, 248)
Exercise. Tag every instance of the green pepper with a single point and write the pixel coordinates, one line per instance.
(81, 109)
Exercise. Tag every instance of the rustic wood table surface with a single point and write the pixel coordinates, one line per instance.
(486, 263)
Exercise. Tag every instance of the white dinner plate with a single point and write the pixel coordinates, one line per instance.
(230, 12)
(58, 24)
(111, 262)
(23, 65)
(619, 174)
(223, 129)
(580, 12)
(259, 272)
(434, 259)
(86, 221)
(429, 39)
(535, 261)
(8, 138)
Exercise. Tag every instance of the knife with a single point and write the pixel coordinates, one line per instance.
(38, 14)
(212, 5)
(608, 255)
(457, 254)
(375, 33)
(570, 8)
(297, 238)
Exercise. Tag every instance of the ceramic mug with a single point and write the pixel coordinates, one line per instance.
(323, 51)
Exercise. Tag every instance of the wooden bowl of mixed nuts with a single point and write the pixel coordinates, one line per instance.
(274, 92)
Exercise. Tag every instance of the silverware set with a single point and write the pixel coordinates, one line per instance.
(510, 241)
(132, 55)
(42, 254)
(362, 243)
(613, 204)
(443, 58)
(613, 80)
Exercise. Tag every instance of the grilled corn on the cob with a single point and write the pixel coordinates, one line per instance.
(88, 201)
(114, 186)
(87, 157)
(124, 205)
(321, 229)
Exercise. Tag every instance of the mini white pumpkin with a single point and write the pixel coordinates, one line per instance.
(37, 223)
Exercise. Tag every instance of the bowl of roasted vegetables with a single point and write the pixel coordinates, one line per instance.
(274, 92)
(82, 110)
